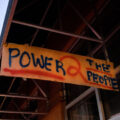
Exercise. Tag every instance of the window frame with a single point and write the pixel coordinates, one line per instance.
(84, 95)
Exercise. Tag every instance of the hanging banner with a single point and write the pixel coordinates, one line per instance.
(39, 63)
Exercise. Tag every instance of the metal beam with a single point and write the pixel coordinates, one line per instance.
(100, 105)
(41, 22)
(22, 112)
(85, 21)
(10, 119)
(104, 42)
(40, 89)
(26, 6)
(59, 15)
(14, 4)
(104, 6)
(82, 96)
(117, 69)
(13, 80)
(23, 97)
(25, 118)
(56, 31)
(99, 12)
(106, 53)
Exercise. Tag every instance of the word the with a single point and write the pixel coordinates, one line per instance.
(101, 67)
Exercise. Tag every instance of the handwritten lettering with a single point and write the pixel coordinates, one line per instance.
(101, 67)
(42, 62)
(71, 68)
(59, 65)
(13, 56)
(22, 58)
(105, 80)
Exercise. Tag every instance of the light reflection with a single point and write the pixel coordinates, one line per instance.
(3, 10)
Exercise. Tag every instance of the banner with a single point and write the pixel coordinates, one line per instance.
(45, 64)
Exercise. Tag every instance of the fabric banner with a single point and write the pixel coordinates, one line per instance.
(45, 64)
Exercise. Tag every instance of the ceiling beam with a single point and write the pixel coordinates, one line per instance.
(85, 21)
(41, 21)
(39, 88)
(2, 103)
(22, 112)
(10, 119)
(26, 6)
(23, 97)
(14, 4)
(18, 109)
(104, 42)
(56, 31)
